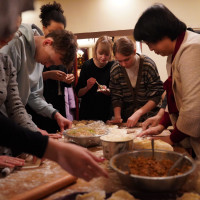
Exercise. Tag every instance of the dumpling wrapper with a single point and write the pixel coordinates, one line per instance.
(189, 196)
(121, 195)
(95, 195)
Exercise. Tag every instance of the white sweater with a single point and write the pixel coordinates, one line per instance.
(186, 88)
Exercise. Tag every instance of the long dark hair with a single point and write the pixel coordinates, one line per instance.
(158, 22)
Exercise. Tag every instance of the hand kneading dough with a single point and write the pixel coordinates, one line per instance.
(189, 196)
(96, 195)
(143, 143)
(121, 195)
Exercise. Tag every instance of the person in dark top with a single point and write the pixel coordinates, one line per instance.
(54, 89)
(96, 105)
(56, 78)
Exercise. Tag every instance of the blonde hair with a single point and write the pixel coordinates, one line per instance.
(107, 46)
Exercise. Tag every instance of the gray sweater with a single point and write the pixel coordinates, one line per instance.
(29, 72)
(10, 96)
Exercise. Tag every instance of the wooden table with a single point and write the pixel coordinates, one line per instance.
(109, 185)
(24, 180)
(21, 181)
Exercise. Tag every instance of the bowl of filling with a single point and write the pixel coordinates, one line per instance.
(139, 171)
(86, 135)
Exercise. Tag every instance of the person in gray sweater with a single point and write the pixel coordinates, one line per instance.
(29, 53)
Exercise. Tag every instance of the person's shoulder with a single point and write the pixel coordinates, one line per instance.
(36, 28)
(189, 47)
(148, 61)
(111, 62)
(87, 64)
(191, 38)
(109, 65)
(25, 29)
(115, 66)
(149, 66)
(12, 46)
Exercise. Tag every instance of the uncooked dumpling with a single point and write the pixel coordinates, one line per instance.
(96, 195)
(189, 196)
(121, 195)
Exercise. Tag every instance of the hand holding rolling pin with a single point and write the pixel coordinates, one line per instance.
(8, 164)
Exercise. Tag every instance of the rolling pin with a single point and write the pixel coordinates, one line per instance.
(46, 189)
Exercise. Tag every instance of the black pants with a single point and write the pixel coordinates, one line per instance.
(44, 123)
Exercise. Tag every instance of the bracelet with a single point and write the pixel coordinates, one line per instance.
(53, 114)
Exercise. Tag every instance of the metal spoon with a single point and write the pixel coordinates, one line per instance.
(152, 146)
(100, 86)
(175, 164)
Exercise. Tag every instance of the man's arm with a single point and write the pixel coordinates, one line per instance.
(36, 99)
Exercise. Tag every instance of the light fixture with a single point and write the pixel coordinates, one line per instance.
(79, 53)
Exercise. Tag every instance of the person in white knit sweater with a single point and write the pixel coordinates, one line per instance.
(166, 35)
(29, 53)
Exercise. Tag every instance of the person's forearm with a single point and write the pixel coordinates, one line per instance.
(164, 102)
(45, 76)
(117, 112)
(52, 150)
(146, 108)
(82, 91)
(163, 95)
(165, 120)
(161, 113)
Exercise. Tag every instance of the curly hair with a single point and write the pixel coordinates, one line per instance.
(52, 12)
(64, 43)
